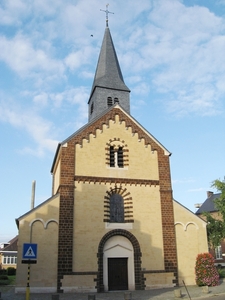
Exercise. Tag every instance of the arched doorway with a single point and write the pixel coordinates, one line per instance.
(119, 248)
(118, 264)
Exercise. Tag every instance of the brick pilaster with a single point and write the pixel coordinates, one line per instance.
(66, 208)
(169, 237)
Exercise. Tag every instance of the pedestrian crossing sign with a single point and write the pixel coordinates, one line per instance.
(29, 251)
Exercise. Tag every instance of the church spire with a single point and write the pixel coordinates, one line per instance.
(108, 86)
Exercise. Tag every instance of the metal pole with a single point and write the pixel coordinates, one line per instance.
(28, 283)
(186, 290)
(28, 266)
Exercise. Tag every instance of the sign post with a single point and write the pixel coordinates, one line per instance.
(29, 257)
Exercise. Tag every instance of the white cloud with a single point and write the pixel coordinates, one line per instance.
(75, 97)
(20, 55)
(11, 11)
(182, 50)
(41, 100)
(75, 59)
(40, 130)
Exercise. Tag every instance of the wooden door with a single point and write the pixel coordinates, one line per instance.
(117, 274)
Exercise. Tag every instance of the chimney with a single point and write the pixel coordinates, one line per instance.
(33, 194)
(209, 194)
(198, 205)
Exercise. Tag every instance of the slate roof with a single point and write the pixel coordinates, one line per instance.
(208, 205)
(12, 245)
(108, 73)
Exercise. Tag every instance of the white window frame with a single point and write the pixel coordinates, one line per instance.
(218, 252)
(9, 260)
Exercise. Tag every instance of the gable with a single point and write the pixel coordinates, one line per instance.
(44, 212)
(185, 217)
(113, 115)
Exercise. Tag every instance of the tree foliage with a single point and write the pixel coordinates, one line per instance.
(220, 202)
(216, 226)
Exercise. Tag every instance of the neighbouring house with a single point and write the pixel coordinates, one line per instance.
(209, 206)
(8, 254)
(111, 222)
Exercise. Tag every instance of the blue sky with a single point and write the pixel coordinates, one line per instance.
(172, 56)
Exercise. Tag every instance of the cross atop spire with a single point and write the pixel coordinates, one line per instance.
(107, 12)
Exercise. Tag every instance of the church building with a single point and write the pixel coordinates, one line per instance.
(111, 222)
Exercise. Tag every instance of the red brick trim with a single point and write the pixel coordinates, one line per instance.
(113, 180)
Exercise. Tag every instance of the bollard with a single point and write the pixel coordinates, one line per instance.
(55, 297)
(127, 296)
(177, 293)
(205, 289)
(91, 297)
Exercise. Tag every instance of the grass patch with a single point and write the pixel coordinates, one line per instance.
(7, 280)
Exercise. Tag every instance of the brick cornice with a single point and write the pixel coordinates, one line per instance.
(91, 128)
(113, 180)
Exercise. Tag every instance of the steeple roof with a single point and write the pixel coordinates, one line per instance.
(108, 73)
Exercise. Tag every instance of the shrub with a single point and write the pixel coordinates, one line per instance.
(4, 280)
(3, 272)
(11, 271)
(205, 271)
(221, 273)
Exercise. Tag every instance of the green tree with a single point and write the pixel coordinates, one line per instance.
(216, 226)
(220, 202)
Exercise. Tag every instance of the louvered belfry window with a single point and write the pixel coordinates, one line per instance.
(116, 158)
(120, 157)
(109, 101)
(92, 107)
(112, 156)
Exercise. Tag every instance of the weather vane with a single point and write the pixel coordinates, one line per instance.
(107, 12)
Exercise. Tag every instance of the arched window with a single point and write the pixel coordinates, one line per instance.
(120, 157)
(109, 101)
(116, 100)
(116, 157)
(112, 156)
(92, 107)
(117, 154)
(116, 208)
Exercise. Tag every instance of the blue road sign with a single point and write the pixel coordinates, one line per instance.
(29, 251)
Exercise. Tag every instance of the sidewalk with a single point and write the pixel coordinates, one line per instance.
(195, 292)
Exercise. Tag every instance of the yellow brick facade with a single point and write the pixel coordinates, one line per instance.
(40, 227)
(191, 240)
(84, 182)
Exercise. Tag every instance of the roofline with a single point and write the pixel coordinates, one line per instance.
(147, 132)
(188, 210)
(98, 117)
(35, 208)
(55, 157)
(107, 88)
